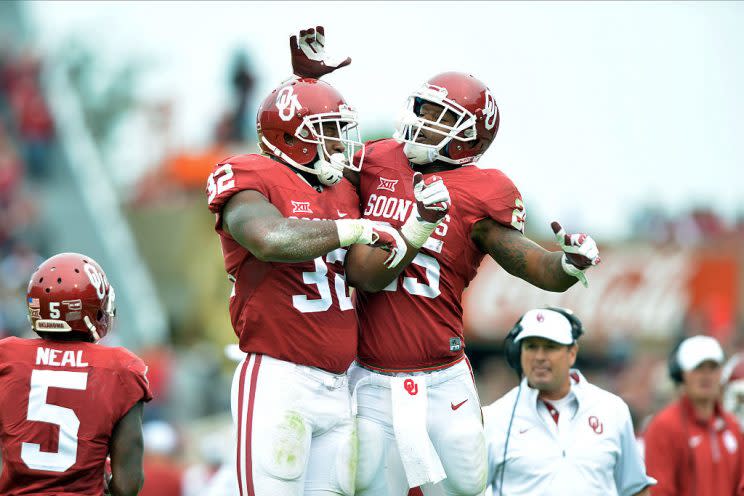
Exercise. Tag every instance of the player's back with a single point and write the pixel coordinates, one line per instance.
(416, 322)
(298, 312)
(60, 403)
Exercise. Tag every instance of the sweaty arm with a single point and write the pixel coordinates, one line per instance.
(126, 454)
(522, 257)
(262, 229)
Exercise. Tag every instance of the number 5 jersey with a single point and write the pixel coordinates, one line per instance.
(60, 402)
(296, 312)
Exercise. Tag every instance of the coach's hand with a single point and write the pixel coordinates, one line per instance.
(309, 58)
(579, 252)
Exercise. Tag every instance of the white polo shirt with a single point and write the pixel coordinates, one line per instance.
(591, 451)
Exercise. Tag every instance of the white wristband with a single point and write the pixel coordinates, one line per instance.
(352, 231)
(417, 231)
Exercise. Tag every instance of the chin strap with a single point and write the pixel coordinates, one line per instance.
(331, 171)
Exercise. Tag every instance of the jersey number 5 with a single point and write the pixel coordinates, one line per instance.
(40, 411)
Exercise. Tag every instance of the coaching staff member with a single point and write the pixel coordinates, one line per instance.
(556, 434)
(693, 447)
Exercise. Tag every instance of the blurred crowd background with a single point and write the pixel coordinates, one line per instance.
(93, 165)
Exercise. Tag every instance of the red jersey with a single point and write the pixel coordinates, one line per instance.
(416, 322)
(693, 457)
(61, 402)
(297, 312)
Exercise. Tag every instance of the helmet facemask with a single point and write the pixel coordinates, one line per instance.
(313, 130)
(412, 123)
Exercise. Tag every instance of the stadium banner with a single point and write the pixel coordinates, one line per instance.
(638, 291)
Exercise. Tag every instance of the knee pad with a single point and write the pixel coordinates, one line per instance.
(288, 440)
(370, 452)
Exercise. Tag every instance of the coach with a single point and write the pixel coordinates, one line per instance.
(556, 434)
(693, 447)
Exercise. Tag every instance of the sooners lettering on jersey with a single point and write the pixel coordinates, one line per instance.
(61, 402)
(298, 312)
(414, 321)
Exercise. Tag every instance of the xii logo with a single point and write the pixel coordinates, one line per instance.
(299, 207)
(388, 184)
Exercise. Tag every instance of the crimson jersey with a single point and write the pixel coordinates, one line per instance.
(60, 404)
(297, 312)
(416, 322)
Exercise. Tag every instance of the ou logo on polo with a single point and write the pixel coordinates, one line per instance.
(596, 425)
(287, 103)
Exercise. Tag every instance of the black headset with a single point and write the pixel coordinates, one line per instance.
(513, 355)
(513, 349)
(675, 370)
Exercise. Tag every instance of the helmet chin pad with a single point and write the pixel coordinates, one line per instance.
(420, 154)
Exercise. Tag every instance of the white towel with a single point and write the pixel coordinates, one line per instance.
(420, 459)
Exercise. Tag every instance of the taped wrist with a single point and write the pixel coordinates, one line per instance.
(574, 271)
(416, 231)
(351, 231)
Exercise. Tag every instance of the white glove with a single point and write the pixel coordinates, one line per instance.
(579, 252)
(367, 232)
(309, 57)
(432, 205)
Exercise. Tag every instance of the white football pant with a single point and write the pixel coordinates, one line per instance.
(295, 430)
(454, 423)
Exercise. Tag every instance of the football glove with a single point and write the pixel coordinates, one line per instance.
(309, 58)
(432, 205)
(579, 252)
(367, 232)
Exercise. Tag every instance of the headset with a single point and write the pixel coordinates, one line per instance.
(513, 349)
(513, 355)
(675, 370)
(675, 374)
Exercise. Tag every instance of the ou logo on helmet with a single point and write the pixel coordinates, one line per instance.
(490, 110)
(287, 103)
(97, 279)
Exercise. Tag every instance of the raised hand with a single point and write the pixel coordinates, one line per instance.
(309, 57)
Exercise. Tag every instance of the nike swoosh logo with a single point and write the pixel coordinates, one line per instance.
(522, 431)
(341, 214)
(455, 407)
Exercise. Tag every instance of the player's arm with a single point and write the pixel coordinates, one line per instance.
(262, 229)
(365, 266)
(127, 475)
(523, 258)
(643, 492)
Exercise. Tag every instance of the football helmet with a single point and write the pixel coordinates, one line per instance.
(732, 379)
(69, 292)
(300, 108)
(464, 142)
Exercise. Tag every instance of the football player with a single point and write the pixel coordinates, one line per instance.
(285, 219)
(419, 417)
(69, 402)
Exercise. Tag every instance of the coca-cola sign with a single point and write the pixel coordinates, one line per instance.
(642, 291)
